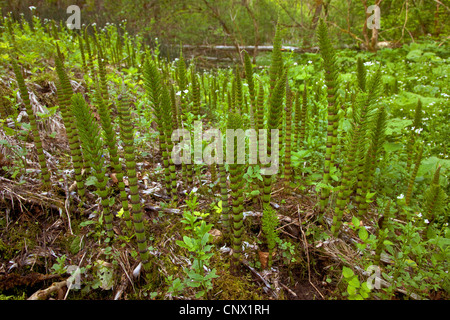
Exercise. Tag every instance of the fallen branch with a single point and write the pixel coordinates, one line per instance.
(45, 293)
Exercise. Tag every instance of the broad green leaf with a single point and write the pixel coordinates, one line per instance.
(347, 272)
(363, 234)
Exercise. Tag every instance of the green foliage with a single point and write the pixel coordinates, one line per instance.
(355, 289)
(197, 245)
(269, 225)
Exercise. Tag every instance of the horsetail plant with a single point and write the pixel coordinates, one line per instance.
(273, 123)
(435, 199)
(251, 87)
(371, 160)
(126, 131)
(236, 184)
(92, 148)
(288, 137)
(65, 92)
(45, 174)
(329, 64)
(349, 165)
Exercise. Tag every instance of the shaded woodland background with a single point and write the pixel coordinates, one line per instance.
(252, 22)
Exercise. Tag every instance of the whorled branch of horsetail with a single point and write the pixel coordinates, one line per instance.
(329, 64)
(349, 164)
(45, 174)
(126, 131)
(65, 92)
(273, 122)
(92, 148)
(239, 100)
(371, 160)
(372, 90)
(195, 89)
(276, 67)
(288, 137)
(236, 184)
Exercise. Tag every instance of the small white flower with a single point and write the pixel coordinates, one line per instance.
(186, 91)
(178, 93)
(295, 63)
(426, 221)
(32, 8)
(400, 196)
(419, 214)
(309, 61)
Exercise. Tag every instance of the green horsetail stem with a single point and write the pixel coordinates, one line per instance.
(65, 92)
(92, 148)
(224, 197)
(349, 166)
(329, 65)
(273, 122)
(276, 67)
(259, 109)
(126, 131)
(365, 115)
(195, 93)
(152, 85)
(45, 174)
(303, 114)
(288, 138)
(435, 198)
(371, 159)
(111, 143)
(239, 99)
(236, 185)
(251, 87)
